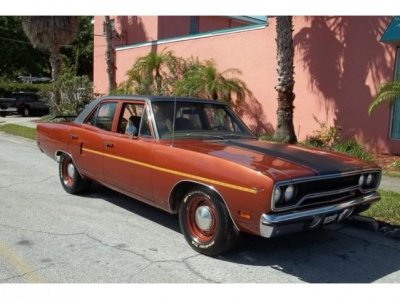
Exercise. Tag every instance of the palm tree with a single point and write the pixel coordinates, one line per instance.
(154, 73)
(285, 52)
(51, 32)
(204, 80)
(389, 92)
(109, 55)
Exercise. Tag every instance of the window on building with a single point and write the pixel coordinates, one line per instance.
(193, 25)
(395, 124)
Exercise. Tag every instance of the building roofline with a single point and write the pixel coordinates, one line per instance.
(193, 36)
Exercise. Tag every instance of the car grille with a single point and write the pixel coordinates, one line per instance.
(320, 191)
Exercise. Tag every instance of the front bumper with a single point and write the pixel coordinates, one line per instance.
(272, 225)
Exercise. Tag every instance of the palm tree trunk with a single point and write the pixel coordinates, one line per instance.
(55, 62)
(285, 53)
(110, 55)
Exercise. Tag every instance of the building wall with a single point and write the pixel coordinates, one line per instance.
(338, 63)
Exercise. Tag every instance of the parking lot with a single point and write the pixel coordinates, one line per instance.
(47, 235)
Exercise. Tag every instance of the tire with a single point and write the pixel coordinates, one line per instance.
(70, 178)
(206, 224)
(26, 112)
(3, 114)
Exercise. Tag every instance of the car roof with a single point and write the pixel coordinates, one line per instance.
(82, 116)
(159, 98)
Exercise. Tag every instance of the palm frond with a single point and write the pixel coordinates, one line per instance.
(387, 93)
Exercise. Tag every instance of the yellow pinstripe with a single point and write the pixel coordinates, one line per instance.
(171, 171)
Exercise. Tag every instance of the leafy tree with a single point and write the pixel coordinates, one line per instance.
(387, 93)
(204, 80)
(18, 57)
(79, 55)
(285, 53)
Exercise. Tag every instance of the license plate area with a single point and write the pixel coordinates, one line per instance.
(330, 219)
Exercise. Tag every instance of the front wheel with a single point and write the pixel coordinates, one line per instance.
(70, 178)
(206, 224)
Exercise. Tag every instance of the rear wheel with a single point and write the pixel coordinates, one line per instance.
(206, 224)
(26, 112)
(70, 178)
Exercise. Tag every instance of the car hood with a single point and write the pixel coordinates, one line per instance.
(280, 161)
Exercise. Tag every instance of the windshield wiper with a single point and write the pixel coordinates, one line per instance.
(205, 136)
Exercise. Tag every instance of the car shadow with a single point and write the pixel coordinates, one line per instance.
(337, 254)
(329, 255)
(135, 206)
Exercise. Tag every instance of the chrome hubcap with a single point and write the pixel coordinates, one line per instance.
(71, 170)
(203, 218)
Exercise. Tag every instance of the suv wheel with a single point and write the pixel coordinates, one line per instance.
(26, 112)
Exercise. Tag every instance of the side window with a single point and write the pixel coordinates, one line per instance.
(103, 117)
(130, 118)
(145, 130)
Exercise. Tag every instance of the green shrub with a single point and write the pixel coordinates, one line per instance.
(76, 92)
(267, 137)
(352, 148)
(8, 87)
(395, 165)
(325, 137)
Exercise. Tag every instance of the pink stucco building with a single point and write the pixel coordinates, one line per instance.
(339, 62)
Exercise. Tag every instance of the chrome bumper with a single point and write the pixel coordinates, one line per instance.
(272, 225)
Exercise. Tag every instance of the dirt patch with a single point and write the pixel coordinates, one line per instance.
(389, 163)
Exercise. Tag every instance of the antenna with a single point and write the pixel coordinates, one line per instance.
(173, 123)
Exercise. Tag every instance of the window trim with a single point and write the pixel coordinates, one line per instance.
(396, 76)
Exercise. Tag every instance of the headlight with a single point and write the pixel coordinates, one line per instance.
(277, 195)
(370, 179)
(289, 193)
(361, 180)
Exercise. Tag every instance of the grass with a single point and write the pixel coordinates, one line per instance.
(18, 130)
(387, 209)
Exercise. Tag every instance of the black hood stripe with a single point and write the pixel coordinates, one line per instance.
(320, 164)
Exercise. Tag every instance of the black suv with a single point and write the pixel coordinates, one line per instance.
(28, 103)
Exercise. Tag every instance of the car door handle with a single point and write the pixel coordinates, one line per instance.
(108, 144)
(74, 136)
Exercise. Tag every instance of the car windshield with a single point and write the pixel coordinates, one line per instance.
(197, 120)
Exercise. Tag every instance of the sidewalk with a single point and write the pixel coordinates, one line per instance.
(18, 120)
(389, 183)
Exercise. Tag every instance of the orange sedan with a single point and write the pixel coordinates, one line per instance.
(197, 159)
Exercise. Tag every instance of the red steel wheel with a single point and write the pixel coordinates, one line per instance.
(202, 219)
(70, 178)
(205, 222)
(68, 171)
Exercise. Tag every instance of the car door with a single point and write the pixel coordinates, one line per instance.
(128, 159)
(86, 141)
